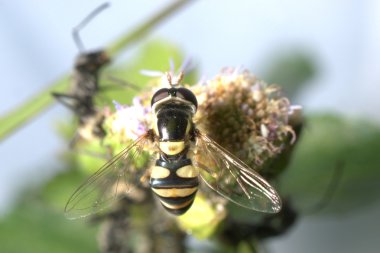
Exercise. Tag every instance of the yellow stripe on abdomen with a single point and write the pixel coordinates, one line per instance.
(178, 206)
(176, 200)
(175, 192)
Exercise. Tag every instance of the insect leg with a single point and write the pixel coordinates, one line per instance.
(84, 22)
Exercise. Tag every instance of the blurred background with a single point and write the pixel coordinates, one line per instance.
(325, 53)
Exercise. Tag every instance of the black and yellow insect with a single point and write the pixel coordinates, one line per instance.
(184, 155)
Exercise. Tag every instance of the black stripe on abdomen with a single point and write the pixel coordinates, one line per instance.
(177, 205)
(176, 193)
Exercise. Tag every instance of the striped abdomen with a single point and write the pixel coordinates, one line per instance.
(175, 183)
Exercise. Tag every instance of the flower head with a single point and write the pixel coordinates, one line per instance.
(129, 122)
(245, 115)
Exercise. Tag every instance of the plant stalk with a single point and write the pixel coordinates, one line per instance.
(30, 109)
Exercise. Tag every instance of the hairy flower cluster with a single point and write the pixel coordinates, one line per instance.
(244, 115)
(129, 122)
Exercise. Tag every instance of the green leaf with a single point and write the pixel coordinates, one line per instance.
(131, 36)
(57, 191)
(30, 109)
(154, 55)
(329, 141)
(33, 107)
(292, 70)
(33, 227)
(202, 220)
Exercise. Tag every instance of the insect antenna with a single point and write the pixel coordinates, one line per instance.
(84, 22)
(179, 78)
(169, 76)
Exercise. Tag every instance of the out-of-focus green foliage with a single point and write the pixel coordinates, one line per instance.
(57, 191)
(292, 70)
(329, 141)
(33, 227)
(131, 36)
(244, 247)
(202, 219)
(154, 55)
(92, 157)
(33, 107)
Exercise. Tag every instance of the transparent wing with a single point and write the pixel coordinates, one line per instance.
(232, 178)
(117, 176)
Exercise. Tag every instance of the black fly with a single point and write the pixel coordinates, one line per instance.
(85, 85)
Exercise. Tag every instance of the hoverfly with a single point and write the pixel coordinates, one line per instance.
(86, 84)
(184, 156)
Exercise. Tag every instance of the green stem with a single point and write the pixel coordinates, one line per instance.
(27, 111)
(24, 113)
(140, 31)
(252, 245)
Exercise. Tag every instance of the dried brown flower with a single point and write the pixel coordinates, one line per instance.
(245, 115)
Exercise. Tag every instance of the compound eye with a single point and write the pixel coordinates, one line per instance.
(187, 95)
(159, 95)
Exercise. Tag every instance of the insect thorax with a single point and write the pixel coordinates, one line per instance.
(173, 126)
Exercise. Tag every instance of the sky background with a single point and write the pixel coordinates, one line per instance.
(342, 36)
